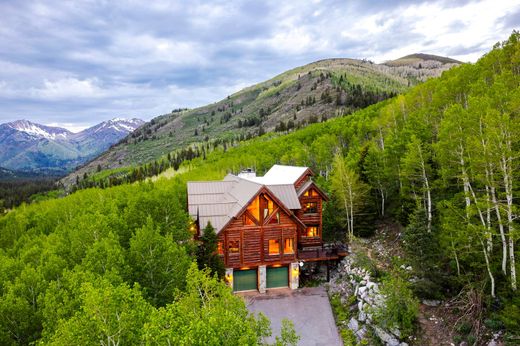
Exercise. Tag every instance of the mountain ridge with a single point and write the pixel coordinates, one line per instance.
(302, 95)
(31, 147)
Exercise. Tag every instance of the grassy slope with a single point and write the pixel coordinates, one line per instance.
(282, 96)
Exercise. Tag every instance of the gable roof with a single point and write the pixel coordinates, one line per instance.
(219, 201)
(308, 184)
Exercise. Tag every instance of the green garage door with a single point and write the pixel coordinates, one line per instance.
(277, 277)
(244, 280)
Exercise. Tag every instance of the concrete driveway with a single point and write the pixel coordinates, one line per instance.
(308, 308)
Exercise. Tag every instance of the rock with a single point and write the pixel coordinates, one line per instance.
(464, 343)
(492, 343)
(362, 289)
(360, 334)
(362, 317)
(363, 282)
(360, 306)
(387, 338)
(353, 325)
(371, 285)
(403, 344)
(431, 302)
(396, 332)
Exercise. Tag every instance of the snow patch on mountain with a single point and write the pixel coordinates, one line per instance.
(40, 131)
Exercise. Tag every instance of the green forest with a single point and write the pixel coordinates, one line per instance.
(118, 265)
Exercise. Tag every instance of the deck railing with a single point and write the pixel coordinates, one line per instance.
(325, 252)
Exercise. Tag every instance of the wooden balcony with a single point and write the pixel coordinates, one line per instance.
(324, 253)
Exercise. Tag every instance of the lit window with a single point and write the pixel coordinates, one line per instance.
(311, 193)
(311, 208)
(288, 247)
(248, 220)
(254, 208)
(275, 219)
(312, 231)
(220, 248)
(274, 246)
(234, 246)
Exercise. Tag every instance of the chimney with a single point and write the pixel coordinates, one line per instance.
(247, 173)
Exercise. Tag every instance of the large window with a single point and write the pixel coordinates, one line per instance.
(220, 247)
(288, 246)
(312, 231)
(311, 208)
(311, 193)
(254, 208)
(275, 219)
(233, 246)
(274, 247)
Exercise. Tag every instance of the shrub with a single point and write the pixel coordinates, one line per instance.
(401, 307)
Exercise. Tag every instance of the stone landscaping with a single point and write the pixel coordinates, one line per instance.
(350, 281)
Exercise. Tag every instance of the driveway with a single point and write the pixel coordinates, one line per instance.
(308, 308)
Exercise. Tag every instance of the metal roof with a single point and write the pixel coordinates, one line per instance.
(219, 201)
(279, 175)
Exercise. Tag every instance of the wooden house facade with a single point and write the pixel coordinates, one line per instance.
(266, 225)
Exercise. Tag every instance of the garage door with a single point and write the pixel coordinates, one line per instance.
(277, 277)
(244, 280)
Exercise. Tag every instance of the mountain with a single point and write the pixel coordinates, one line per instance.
(424, 60)
(293, 99)
(27, 146)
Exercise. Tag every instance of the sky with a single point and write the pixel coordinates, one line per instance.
(76, 63)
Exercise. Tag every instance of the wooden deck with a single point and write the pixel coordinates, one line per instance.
(324, 253)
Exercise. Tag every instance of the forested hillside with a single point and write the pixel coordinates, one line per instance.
(291, 100)
(113, 265)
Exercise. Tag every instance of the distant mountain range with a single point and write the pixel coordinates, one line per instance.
(30, 147)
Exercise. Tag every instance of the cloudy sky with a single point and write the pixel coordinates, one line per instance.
(77, 63)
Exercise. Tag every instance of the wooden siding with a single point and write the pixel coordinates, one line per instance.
(314, 219)
(254, 242)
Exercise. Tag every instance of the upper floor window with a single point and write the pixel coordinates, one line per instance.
(311, 207)
(274, 247)
(311, 231)
(220, 247)
(288, 246)
(275, 218)
(233, 246)
(311, 193)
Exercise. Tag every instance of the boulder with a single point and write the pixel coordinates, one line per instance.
(362, 290)
(362, 317)
(353, 325)
(386, 337)
(431, 302)
(361, 333)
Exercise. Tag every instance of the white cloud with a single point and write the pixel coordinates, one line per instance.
(68, 88)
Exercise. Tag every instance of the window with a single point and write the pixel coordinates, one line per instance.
(267, 206)
(311, 208)
(288, 246)
(220, 248)
(275, 219)
(311, 193)
(274, 247)
(234, 246)
(312, 231)
(248, 220)
(254, 208)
